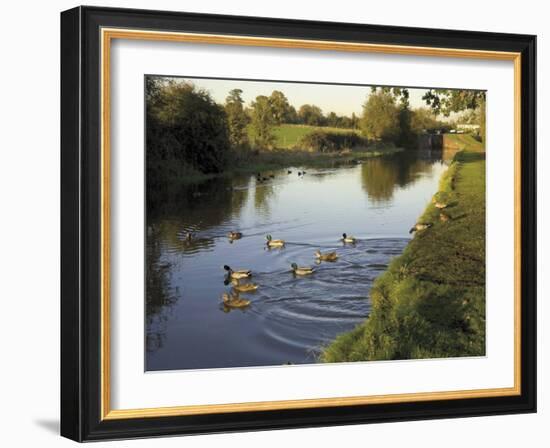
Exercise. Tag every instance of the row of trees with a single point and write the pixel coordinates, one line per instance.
(186, 127)
(387, 114)
(265, 112)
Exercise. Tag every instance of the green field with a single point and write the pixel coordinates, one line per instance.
(288, 135)
(430, 302)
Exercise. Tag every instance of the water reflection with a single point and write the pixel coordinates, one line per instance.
(159, 295)
(381, 176)
(289, 319)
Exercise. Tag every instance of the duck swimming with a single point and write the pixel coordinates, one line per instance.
(234, 235)
(274, 243)
(348, 239)
(244, 273)
(234, 301)
(303, 270)
(328, 256)
(245, 287)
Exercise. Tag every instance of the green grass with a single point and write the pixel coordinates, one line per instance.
(461, 141)
(430, 302)
(288, 135)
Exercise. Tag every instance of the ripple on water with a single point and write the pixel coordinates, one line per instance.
(290, 317)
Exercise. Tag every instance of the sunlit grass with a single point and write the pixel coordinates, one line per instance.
(288, 135)
(430, 303)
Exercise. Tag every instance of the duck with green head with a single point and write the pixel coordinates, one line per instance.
(244, 273)
(348, 239)
(420, 226)
(274, 243)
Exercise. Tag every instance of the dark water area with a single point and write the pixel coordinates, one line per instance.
(290, 318)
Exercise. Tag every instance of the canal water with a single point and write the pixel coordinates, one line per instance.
(290, 318)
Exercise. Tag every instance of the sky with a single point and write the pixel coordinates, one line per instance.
(341, 99)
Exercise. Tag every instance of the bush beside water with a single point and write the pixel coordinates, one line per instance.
(327, 141)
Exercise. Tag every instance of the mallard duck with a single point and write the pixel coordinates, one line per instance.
(234, 301)
(420, 226)
(303, 270)
(440, 205)
(188, 236)
(246, 287)
(443, 217)
(234, 235)
(244, 273)
(274, 243)
(328, 256)
(348, 239)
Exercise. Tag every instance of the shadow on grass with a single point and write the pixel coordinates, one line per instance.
(470, 157)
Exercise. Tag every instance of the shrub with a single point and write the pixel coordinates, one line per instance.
(325, 141)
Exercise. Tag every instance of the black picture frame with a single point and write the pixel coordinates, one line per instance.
(81, 223)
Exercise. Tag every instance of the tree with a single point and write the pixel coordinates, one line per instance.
(333, 120)
(184, 127)
(354, 121)
(279, 106)
(400, 94)
(311, 115)
(263, 121)
(445, 101)
(380, 118)
(292, 115)
(406, 137)
(237, 120)
(423, 119)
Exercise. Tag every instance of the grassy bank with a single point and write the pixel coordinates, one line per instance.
(282, 158)
(430, 302)
(251, 162)
(288, 135)
(287, 153)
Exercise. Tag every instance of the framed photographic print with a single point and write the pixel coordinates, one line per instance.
(273, 223)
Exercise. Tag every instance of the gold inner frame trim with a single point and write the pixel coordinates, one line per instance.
(107, 35)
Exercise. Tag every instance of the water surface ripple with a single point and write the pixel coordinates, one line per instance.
(290, 318)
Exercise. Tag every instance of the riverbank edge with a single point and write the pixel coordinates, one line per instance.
(431, 304)
(282, 158)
